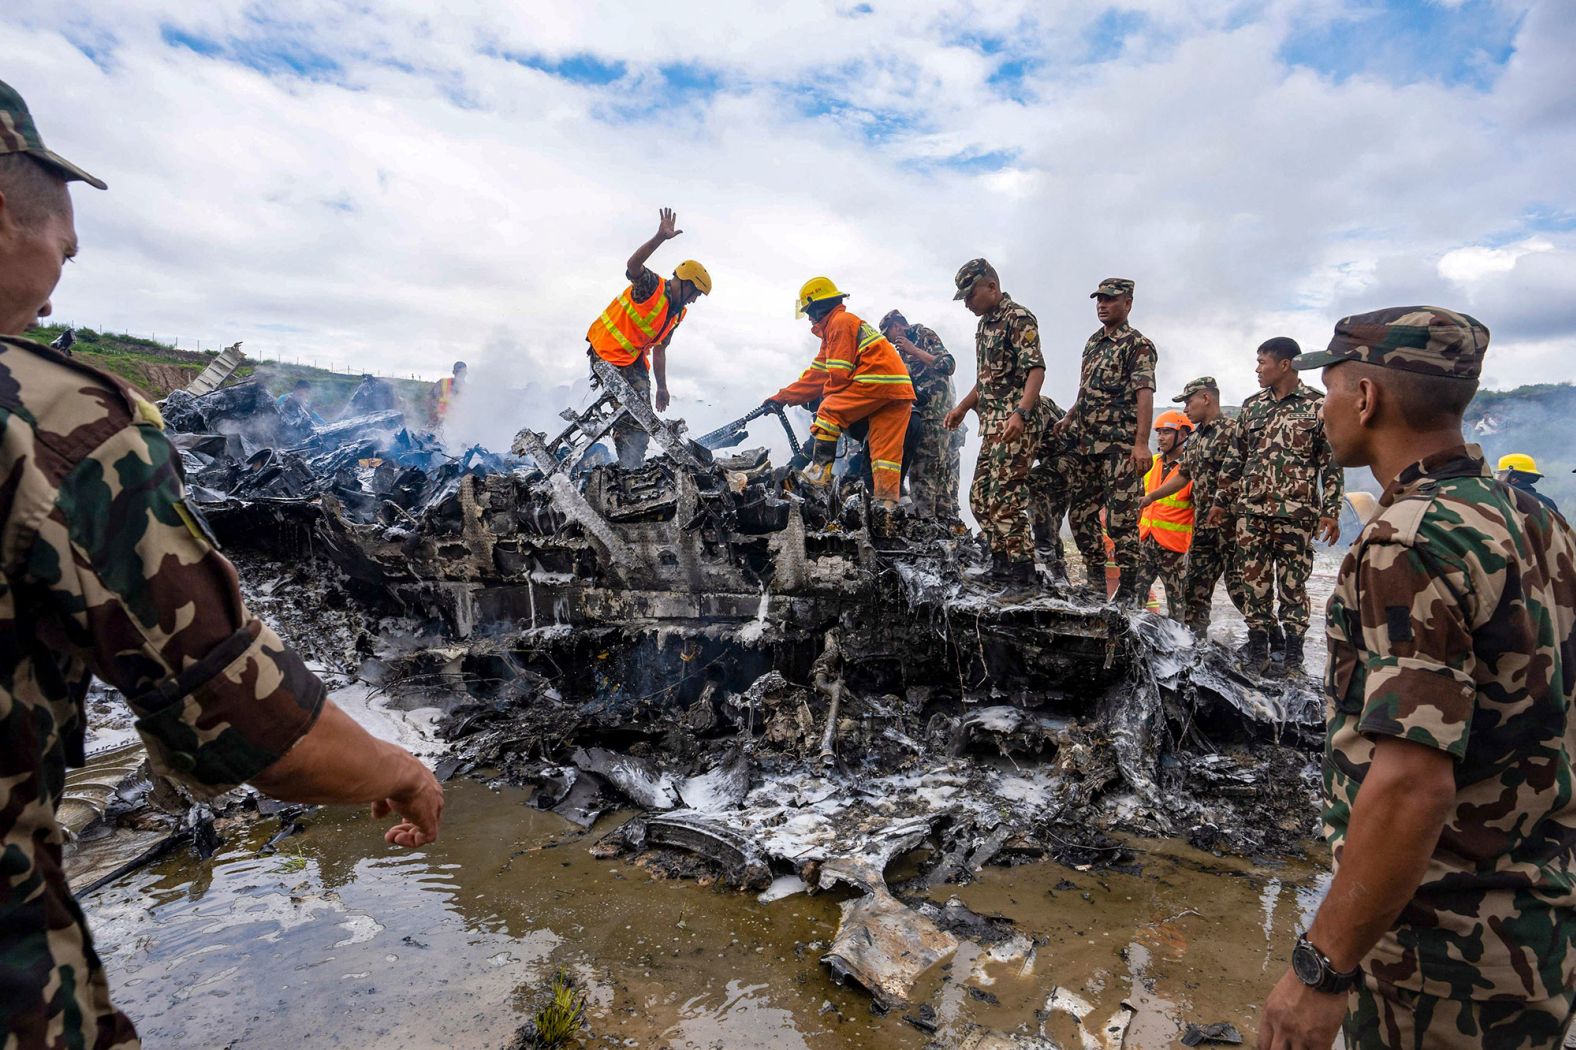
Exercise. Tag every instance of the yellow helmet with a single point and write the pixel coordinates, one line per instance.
(815, 290)
(1519, 461)
(693, 272)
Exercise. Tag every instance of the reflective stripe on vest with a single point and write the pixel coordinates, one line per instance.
(623, 332)
(445, 396)
(1168, 519)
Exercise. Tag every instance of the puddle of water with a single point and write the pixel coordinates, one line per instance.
(341, 940)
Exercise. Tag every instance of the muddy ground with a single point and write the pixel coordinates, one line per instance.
(338, 939)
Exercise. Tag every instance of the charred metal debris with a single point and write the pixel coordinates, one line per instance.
(792, 694)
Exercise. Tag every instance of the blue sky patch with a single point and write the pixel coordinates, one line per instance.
(583, 68)
(270, 52)
(1010, 78)
(1409, 41)
(1106, 37)
(970, 161)
(175, 36)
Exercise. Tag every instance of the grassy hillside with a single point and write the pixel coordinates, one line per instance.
(156, 368)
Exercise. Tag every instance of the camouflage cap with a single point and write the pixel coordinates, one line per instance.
(1425, 339)
(1201, 383)
(970, 272)
(18, 134)
(1113, 286)
(893, 317)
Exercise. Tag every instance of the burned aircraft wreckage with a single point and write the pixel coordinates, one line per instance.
(790, 697)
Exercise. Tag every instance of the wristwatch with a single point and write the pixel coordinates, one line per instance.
(1020, 413)
(1314, 970)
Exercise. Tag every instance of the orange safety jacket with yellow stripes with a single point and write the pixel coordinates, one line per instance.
(1168, 519)
(853, 357)
(627, 329)
(445, 397)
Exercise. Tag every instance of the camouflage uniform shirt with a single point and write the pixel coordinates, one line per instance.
(108, 573)
(1203, 455)
(1280, 463)
(1006, 350)
(1115, 368)
(1451, 626)
(933, 396)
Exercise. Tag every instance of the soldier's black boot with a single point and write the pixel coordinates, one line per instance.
(1291, 662)
(1276, 639)
(1257, 658)
(1020, 581)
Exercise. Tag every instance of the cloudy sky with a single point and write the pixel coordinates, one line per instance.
(394, 185)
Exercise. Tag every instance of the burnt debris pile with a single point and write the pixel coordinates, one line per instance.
(793, 693)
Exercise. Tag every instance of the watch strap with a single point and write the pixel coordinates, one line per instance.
(1331, 980)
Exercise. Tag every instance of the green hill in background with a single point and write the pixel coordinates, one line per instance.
(156, 368)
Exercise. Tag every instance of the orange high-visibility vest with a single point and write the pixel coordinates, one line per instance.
(627, 329)
(1168, 519)
(445, 396)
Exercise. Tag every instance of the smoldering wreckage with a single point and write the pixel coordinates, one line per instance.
(790, 694)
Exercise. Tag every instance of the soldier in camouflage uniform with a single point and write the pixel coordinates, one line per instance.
(1108, 428)
(1448, 785)
(1006, 394)
(110, 572)
(1212, 554)
(932, 470)
(1281, 484)
(1048, 504)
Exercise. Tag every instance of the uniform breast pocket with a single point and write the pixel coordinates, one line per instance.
(1106, 375)
(1301, 434)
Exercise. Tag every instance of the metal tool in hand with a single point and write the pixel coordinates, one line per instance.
(730, 434)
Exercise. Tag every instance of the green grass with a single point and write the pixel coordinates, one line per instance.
(561, 1018)
(129, 357)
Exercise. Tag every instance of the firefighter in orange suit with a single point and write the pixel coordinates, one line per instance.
(1165, 524)
(632, 333)
(857, 375)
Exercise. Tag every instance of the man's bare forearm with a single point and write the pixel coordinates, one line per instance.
(1031, 389)
(637, 262)
(338, 762)
(1394, 826)
(1146, 416)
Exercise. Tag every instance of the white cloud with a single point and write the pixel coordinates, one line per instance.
(1468, 265)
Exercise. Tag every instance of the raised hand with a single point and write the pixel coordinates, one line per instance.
(666, 228)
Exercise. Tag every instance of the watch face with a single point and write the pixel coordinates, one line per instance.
(1305, 963)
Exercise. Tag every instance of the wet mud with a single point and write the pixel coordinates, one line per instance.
(339, 940)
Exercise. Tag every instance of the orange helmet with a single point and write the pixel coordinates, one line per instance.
(1173, 420)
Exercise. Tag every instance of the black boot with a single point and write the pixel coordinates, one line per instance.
(1257, 658)
(1291, 662)
(1019, 581)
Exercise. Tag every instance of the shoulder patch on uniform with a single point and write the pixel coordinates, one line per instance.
(148, 412)
(196, 523)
